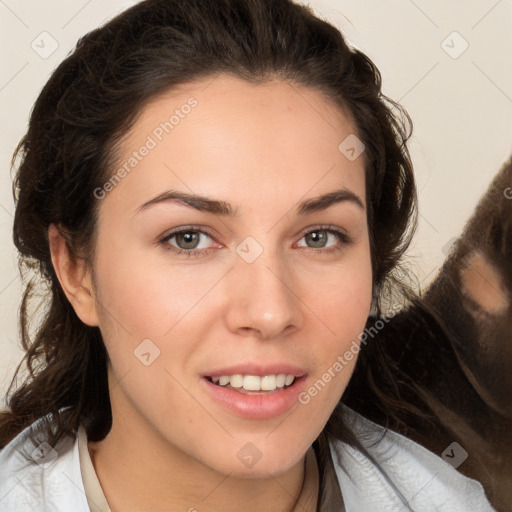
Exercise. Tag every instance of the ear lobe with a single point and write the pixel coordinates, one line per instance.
(74, 278)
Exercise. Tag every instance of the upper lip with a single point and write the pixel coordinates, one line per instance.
(257, 369)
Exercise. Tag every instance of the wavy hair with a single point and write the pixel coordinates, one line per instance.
(94, 97)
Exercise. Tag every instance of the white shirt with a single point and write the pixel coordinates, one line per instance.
(373, 481)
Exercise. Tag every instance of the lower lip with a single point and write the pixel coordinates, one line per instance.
(256, 407)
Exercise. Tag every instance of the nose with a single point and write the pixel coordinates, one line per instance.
(263, 299)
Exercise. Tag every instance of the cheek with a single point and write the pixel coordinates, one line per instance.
(144, 298)
(343, 295)
(152, 312)
(342, 301)
(144, 313)
(348, 299)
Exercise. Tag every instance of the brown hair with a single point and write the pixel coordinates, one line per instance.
(94, 97)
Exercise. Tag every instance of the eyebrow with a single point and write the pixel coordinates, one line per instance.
(222, 208)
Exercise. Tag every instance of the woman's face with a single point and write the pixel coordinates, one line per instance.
(266, 279)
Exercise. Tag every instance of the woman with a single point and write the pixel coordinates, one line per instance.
(216, 194)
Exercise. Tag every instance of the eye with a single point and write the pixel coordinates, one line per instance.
(189, 241)
(320, 237)
(186, 241)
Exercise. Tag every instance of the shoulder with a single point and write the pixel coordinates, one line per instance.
(35, 476)
(392, 469)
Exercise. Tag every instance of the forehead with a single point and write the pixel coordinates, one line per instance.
(225, 135)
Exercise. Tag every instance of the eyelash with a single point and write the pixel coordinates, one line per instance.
(342, 236)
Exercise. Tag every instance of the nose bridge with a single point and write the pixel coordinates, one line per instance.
(261, 291)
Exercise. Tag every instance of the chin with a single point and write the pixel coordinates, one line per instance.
(253, 460)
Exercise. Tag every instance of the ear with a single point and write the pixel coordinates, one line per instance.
(74, 278)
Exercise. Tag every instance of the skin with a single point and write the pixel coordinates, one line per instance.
(263, 149)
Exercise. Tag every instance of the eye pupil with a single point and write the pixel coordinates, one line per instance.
(319, 238)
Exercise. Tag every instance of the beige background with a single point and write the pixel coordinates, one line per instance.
(461, 107)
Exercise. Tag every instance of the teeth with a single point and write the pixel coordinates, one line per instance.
(236, 381)
(254, 382)
(268, 383)
(251, 383)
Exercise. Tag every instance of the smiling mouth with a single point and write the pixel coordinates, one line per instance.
(253, 384)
